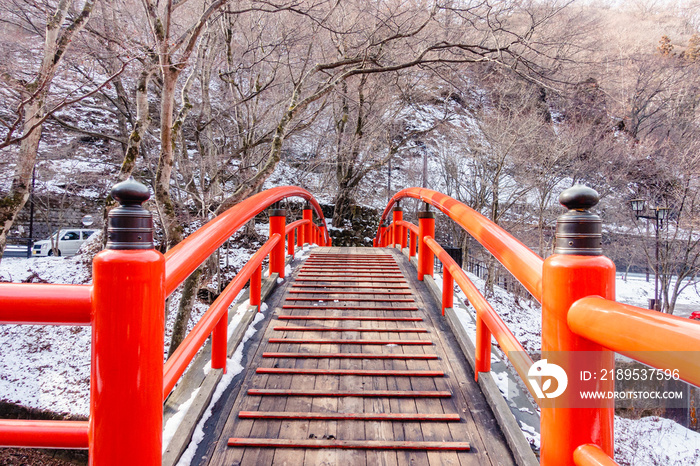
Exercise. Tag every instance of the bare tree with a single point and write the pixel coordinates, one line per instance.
(32, 109)
(355, 38)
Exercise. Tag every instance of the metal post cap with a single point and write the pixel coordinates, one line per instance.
(130, 226)
(425, 214)
(579, 232)
(277, 213)
(398, 208)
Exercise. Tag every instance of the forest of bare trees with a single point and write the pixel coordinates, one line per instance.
(510, 101)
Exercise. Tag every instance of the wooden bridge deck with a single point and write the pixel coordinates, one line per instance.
(397, 392)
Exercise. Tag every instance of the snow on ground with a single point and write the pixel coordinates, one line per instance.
(233, 368)
(49, 269)
(650, 441)
(48, 367)
(653, 441)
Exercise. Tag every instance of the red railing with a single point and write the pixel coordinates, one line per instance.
(125, 307)
(578, 314)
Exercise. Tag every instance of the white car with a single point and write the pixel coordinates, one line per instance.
(69, 241)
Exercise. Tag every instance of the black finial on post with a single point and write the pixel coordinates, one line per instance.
(276, 211)
(397, 207)
(579, 231)
(426, 213)
(130, 226)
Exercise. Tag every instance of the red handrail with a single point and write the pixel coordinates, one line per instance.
(294, 225)
(507, 341)
(591, 455)
(668, 341)
(45, 304)
(403, 223)
(134, 270)
(525, 265)
(43, 434)
(175, 366)
(579, 314)
(184, 258)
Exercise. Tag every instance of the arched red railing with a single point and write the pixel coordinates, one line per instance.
(578, 314)
(124, 305)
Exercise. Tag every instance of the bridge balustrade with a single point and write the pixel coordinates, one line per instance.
(576, 287)
(125, 307)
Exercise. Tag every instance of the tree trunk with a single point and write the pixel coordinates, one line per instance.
(490, 277)
(133, 146)
(255, 182)
(12, 204)
(55, 46)
(343, 200)
(166, 207)
(189, 293)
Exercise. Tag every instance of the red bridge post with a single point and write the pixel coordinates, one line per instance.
(426, 227)
(322, 235)
(307, 214)
(448, 290)
(290, 243)
(278, 220)
(300, 236)
(411, 244)
(398, 232)
(255, 287)
(576, 269)
(126, 386)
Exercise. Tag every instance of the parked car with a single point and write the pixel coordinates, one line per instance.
(69, 241)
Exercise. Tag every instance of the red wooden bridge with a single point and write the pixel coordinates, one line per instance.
(361, 358)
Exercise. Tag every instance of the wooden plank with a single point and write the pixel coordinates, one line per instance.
(350, 261)
(350, 355)
(350, 329)
(359, 318)
(363, 372)
(336, 260)
(347, 444)
(478, 422)
(374, 265)
(407, 431)
(348, 430)
(339, 274)
(324, 429)
(376, 287)
(354, 300)
(421, 417)
(356, 308)
(375, 293)
(332, 280)
(356, 393)
(339, 379)
(352, 256)
(350, 268)
(344, 341)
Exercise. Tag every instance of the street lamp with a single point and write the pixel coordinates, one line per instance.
(659, 214)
